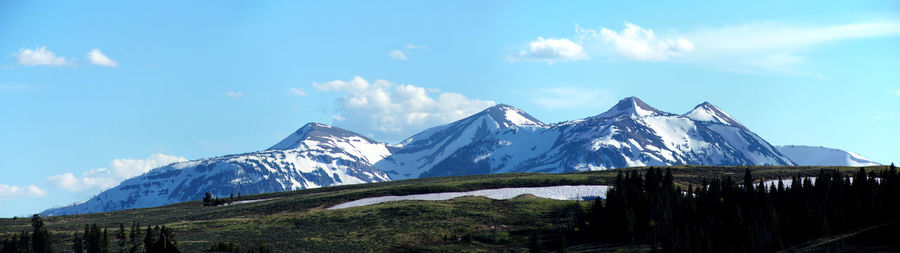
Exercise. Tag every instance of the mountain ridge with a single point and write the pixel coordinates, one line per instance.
(822, 156)
(498, 139)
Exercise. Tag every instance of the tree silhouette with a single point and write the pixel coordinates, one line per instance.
(40, 237)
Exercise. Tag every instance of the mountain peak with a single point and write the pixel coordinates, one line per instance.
(314, 131)
(711, 113)
(507, 116)
(631, 106)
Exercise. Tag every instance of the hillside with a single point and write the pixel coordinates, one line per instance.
(299, 220)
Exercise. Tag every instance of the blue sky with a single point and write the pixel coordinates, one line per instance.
(94, 92)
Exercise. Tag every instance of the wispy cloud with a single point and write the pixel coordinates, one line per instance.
(395, 111)
(402, 54)
(775, 36)
(13, 191)
(777, 47)
(412, 46)
(234, 94)
(397, 55)
(572, 97)
(550, 51)
(14, 87)
(784, 63)
(886, 116)
(752, 47)
(98, 58)
(897, 92)
(38, 56)
(297, 92)
(119, 170)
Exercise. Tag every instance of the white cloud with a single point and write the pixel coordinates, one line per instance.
(397, 55)
(38, 56)
(396, 111)
(572, 97)
(897, 92)
(12, 191)
(119, 170)
(403, 54)
(234, 94)
(298, 92)
(91, 179)
(551, 51)
(637, 43)
(98, 58)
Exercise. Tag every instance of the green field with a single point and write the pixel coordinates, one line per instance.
(297, 220)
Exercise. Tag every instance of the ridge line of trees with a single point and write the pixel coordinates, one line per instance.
(93, 240)
(723, 215)
(209, 200)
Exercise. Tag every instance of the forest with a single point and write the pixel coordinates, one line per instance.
(722, 215)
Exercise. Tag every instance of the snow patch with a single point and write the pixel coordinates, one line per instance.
(249, 201)
(515, 117)
(565, 192)
(822, 156)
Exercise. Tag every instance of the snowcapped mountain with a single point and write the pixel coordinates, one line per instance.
(822, 156)
(419, 153)
(707, 112)
(631, 133)
(498, 139)
(316, 155)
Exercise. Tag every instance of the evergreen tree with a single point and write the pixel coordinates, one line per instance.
(121, 238)
(104, 242)
(165, 242)
(133, 237)
(536, 245)
(563, 245)
(148, 239)
(77, 243)
(85, 244)
(748, 181)
(207, 199)
(93, 240)
(11, 245)
(24, 242)
(40, 236)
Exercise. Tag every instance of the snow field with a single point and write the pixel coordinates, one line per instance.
(565, 192)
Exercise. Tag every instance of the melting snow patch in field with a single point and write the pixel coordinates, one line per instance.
(565, 192)
(249, 201)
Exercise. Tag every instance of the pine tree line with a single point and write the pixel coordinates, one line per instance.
(156, 239)
(209, 200)
(725, 216)
(38, 241)
(93, 240)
